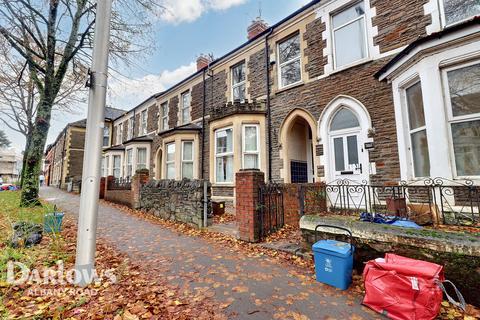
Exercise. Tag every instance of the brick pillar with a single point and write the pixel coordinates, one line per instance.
(101, 193)
(109, 180)
(139, 179)
(247, 185)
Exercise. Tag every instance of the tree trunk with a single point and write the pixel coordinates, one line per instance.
(34, 154)
(24, 160)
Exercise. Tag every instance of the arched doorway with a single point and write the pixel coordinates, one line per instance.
(343, 128)
(158, 164)
(298, 135)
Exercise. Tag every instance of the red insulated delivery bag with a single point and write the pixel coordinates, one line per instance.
(403, 288)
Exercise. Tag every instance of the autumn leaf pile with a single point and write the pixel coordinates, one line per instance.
(135, 295)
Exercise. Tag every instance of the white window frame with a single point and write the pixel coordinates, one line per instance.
(137, 157)
(143, 123)
(443, 16)
(106, 128)
(281, 65)
(187, 161)
(167, 162)
(164, 116)
(411, 131)
(183, 107)
(102, 166)
(120, 133)
(129, 162)
(107, 165)
(130, 128)
(365, 32)
(242, 83)
(458, 119)
(244, 152)
(218, 155)
(119, 168)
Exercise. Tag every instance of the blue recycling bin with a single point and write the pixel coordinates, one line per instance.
(53, 222)
(334, 260)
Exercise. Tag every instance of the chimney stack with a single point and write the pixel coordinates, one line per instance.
(258, 26)
(203, 61)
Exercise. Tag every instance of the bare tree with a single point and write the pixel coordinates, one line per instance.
(19, 96)
(54, 37)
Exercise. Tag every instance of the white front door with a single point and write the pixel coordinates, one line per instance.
(347, 159)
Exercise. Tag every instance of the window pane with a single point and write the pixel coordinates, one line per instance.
(350, 43)
(224, 141)
(250, 161)
(165, 124)
(421, 159)
(187, 151)
(349, 14)
(251, 138)
(466, 144)
(416, 114)
(171, 152)
(141, 158)
(224, 169)
(352, 147)
(171, 171)
(238, 73)
(291, 73)
(457, 10)
(289, 49)
(187, 170)
(464, 85)
(344, 119)
(339, 154)
(239, 92)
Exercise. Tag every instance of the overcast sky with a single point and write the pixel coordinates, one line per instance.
(185, 30)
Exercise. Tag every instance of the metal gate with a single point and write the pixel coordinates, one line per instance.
(270, 208)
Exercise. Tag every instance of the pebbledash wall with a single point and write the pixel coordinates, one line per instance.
(301, 113)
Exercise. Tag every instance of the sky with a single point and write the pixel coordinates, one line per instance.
(186, 29)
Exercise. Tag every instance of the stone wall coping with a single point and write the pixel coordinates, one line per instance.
(436, 240)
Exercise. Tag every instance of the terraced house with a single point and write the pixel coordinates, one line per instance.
(375, 91)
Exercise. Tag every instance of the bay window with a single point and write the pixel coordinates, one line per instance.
(129, 166)
(457, 10)
(186, 107)
(250, 147)
(141, 158)
(187, 159)
(170, 161)
(224, 155)
(349, 35)
(102, 167)
(238, 82)
(164, 116)
(290, 66)
(463, 110)
(417, 131)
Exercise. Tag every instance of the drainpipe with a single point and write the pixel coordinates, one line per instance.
(203, 124)
(269, 113)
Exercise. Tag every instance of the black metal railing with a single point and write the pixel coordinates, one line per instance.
(433, 200)
(270, 208)
(120, 184)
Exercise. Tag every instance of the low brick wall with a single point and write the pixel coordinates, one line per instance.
(176, 200)
(124, 197)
